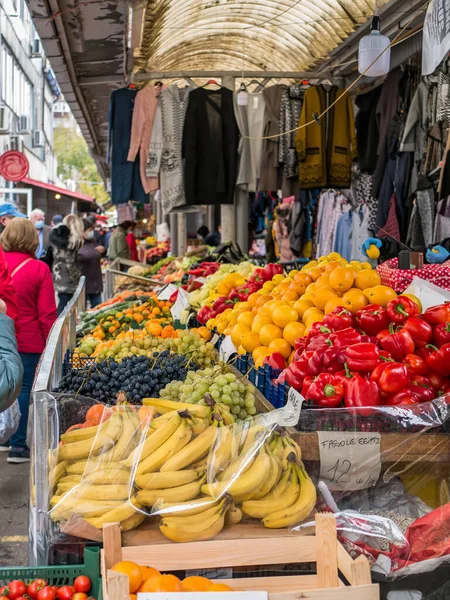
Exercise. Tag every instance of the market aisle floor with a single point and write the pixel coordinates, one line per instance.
(13, 513)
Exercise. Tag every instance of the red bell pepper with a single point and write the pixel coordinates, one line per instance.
(437, 314)
(360, 391)
(298, 370)
(319, 342)
(372, 319)
(315, 330)
(362, 357)
(327, 391)
(307, 383)
(442, 334)
(370, 339)
(406, 396)
(439, 359)
(400, 308)
(423, 389)
(345, 337)
(398, 344)
(276, 361)
(416, 365)
(437, 381)
(334, 359)
(300, 344)
(391, 377)
(420, 331)
(339, 318)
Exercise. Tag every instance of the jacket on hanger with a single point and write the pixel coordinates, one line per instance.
(290, 111)
(126, 181)
(326, 151)
(367, 129)
(141, 132)
(210, 144)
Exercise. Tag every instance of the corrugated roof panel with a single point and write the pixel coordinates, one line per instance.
(272, 35)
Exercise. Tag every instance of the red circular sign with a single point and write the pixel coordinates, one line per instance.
(14, 165)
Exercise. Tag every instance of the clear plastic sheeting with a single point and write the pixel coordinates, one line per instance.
(261, 35)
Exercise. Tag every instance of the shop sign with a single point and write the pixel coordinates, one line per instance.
(436, 35)
(14, 165)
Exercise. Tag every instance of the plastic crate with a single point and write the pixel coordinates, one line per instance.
(80, 363)
(60, 575)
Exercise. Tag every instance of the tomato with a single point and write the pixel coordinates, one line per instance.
(79, 596)
(23, 597)
(82, 584)
(16, 588)
(4, 597)
(4, 590)
(47, 593)
(65, 592)
(34, 587)
(55, 588)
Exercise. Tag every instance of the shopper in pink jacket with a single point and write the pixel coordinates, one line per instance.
(33, 284)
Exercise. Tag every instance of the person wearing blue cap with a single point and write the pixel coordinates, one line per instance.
(7, 213)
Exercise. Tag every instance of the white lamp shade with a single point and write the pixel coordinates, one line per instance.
(370, 47)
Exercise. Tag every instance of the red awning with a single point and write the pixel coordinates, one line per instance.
(58, 190)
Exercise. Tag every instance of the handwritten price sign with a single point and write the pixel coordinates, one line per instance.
(290, 414)
(349, 460)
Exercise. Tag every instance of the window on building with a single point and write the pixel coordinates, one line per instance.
(16, 89)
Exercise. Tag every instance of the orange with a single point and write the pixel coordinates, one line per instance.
(367, 279)
(298, 288)
(219, 587)
(132, 570)
(334, 303)
(148, 572)
(252, 300)
(269, 333)
(145, 413)
(241, 350)
(331, 266)
(250, 341)
(283, 315)
(356, 298)
(323, 295)
(153, 328)
(246, 318)
(196, 583)
(341, 279)
(315, 273)
(380, 294)
(323, 281)
(303, 278)
(277, 304)
(292, 331)
(168, 331)
(301, 305)
(288, 296)
(132, 597)
(259, 321)
(280, 345)
(202, 331)
(310, 312)
(237, 332)
(162, 583)
(416, 301)
(263, 298)
(98, 413)
(260, 352)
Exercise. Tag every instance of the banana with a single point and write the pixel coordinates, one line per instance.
(103, 492)
(183, 519)
(192, 507)
(170, 479)
(63, 488)
(83, 467)
(181, 493)
(221, 454)
(128, 438)
(155, 441)
(282, 496)
(85, 508)
(122, 512)
(296, 449)
(164, 406)
(54, 500)
(107, 477)
(301, 508)
(233, 516)
(272, 479)
(243, 484)
(207, 530)
(198, 425)
(106, 437)
(132, 522)
(184, 441)
(289, 453)
(195, 450)
(158, 458)
(57, 472)
(69, 479)
(238, 467)
(78, 435)
(224, 412)
(252, 439)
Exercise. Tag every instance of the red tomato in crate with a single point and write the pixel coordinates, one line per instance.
(82, 584)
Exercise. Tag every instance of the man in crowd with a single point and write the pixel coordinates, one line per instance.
(7, 214)
(57, 219)
(37, 217)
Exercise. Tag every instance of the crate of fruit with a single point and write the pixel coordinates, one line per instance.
(144, 566)
(65, 582)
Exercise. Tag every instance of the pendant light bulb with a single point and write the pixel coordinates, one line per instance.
(370, 48)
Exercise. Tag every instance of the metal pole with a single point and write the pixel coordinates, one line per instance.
(241, 200)
(181, 234)
(228, 211)
(173, 234)
(210, 217)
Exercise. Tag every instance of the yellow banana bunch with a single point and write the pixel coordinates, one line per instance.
(107, 435)
(195, 450)
(202, 526)
(283, 495)
(164, 406)
(181, 493)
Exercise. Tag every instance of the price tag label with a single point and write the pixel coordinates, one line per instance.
(181, 303)
(167, 291)
(200, 279)
(349, 460)
(214, 338)
(227, 349)
(290, 414)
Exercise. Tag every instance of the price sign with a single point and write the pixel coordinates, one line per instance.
(349, 460)
(290, 414)
(181, 303)
(200, 279)
(214, 338)
(167, 291)
(227, 349)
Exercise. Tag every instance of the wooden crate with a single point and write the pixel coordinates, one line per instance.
(322, 548)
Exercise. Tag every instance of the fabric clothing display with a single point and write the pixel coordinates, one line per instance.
(165, 152)
(290, 111)
(282, 230)
(326, 151)
(442, 222)
(421, 225)
(343, 233)
(367, 129)
(141, 132)
(126, 181)
(250, 121)
(210, 144)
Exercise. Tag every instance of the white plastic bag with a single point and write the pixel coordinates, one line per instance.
(9, 422)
